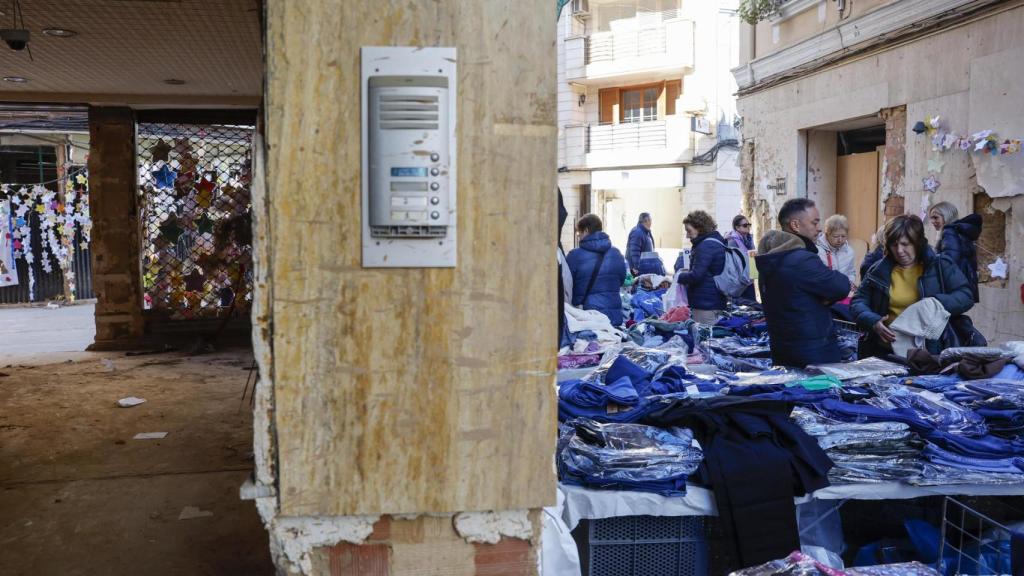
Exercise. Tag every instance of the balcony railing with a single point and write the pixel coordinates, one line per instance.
(656, 142)
(640, 36)
(654, 43)
(630, 136)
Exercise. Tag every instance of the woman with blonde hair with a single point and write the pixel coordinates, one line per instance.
(957, 240)
(834, 249)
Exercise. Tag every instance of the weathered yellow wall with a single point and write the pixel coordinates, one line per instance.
(413, 390)
(969, 75)
(807, 24)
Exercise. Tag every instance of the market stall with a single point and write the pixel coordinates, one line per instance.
(669, 418)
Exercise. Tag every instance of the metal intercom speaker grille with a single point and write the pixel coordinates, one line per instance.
(195, 192)
(407, 112)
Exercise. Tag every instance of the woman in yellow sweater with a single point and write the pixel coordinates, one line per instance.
(910, 271)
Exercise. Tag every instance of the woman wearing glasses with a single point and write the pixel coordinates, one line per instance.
(741, 238)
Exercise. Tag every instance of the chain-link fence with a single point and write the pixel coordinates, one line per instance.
(194, 183)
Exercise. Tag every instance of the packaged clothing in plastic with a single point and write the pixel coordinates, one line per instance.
(741, 347)
(931, 407)
(647, 359)
(796, 564)
(950, 355)
(628, 456)
(861, 368)
(864, 452)
(1017, 349)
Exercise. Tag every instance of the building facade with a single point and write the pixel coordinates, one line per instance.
(646, 114)
(830, 95)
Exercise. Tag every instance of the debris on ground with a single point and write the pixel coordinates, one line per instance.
(190, 512)
(149, 436)
(108, 364)
(130, 401)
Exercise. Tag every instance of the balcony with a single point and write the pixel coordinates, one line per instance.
(660, 142)
(651, 45)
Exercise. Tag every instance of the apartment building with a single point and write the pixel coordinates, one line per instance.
(875, 108)
(646, 114)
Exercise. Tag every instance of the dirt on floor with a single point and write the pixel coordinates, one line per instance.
(80, 495)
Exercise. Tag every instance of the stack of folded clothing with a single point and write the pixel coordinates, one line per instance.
(999, 402)
(627, 457)
(864, 451)
(959, 449)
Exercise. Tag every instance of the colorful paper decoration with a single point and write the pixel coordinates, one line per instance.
(204, 224)
(931, 184)
(58, 221)
(171, 230)
(161, 151)
(164, 177)
(982, 142)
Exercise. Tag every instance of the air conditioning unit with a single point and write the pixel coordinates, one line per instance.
(580, 7)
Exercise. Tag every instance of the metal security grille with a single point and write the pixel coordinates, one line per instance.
(194, 183)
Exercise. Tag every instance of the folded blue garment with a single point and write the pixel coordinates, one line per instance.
(638, 377)
(1010, 465)
(593, 395)
(647, 304)
(934, 383)
(1010, 372)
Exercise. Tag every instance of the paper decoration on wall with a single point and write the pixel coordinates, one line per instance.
(8, 269)
(170, 229)
(58, 221)
(936, 164)
(982, 142)
(931, 184)
(164, 177)
(998, 268)
(204, 224)
(926, 201)
(161, 151)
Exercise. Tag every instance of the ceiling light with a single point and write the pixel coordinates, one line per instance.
(174, 81)
(59, 32)
(15, 79)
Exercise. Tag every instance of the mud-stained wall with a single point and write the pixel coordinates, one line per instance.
(412, 390)
(967, 75)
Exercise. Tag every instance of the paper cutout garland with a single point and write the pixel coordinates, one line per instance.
(985, 141)
(58, 223)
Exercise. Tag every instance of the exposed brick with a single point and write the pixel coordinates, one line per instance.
(509, 557)
(355, 560)
(381, 530)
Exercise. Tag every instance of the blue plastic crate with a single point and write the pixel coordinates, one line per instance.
(643, 546)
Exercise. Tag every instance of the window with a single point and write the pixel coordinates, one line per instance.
(640, 105)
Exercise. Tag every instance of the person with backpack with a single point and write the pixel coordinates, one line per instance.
(598, 270)
(797, 289)
(707, 260)
(957, 240)
(741, 239)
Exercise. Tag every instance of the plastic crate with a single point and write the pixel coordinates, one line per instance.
(643, 546)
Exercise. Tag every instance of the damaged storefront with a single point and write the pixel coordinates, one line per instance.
(876, 109)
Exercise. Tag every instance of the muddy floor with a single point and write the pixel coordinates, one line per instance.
(80, 495)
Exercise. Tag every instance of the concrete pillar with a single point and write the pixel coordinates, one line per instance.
(115, 247)
(405, 418)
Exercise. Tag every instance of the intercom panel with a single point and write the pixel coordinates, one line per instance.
(408, 144)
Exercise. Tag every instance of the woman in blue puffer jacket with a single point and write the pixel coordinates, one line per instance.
(598, 271)
(707, 260)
